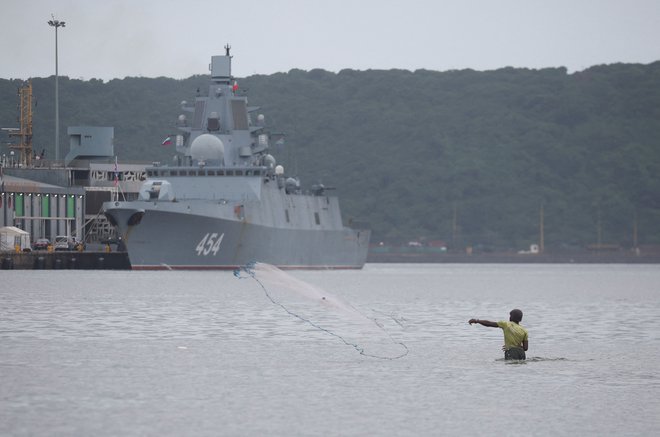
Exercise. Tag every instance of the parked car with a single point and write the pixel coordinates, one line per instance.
(64, 242)
(41, 244)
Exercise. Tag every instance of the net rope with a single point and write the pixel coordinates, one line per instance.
(326, 312)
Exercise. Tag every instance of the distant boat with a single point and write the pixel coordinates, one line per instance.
(226, 203)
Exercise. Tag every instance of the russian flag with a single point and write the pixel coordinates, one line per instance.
(116, 172)
(167, 141)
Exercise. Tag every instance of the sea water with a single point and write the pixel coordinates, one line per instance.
(109, 353)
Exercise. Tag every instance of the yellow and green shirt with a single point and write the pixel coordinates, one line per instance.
(514, 334)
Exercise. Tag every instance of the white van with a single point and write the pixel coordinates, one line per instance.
(63, 242)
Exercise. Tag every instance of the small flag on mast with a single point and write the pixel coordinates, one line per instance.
(167, 141)
(116, 172)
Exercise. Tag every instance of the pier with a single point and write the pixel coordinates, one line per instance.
(64, 260)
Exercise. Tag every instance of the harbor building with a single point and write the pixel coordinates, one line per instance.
(48, 198)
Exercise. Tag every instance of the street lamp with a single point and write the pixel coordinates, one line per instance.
(56, 23)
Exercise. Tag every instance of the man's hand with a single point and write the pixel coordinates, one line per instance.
(483, 323)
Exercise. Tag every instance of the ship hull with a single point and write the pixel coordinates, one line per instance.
(170, 240)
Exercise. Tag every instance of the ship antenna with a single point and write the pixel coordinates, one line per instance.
(227, 47)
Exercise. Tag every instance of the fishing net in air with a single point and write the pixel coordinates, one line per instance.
(369, 333)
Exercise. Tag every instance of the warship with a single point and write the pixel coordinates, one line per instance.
(224, 202)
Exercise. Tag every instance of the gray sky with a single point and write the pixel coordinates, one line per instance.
(108, 39)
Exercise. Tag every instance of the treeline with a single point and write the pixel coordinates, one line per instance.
(466, 157)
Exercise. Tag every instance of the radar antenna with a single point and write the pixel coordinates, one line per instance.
(227, 47)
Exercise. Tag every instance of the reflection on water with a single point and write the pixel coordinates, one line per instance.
(202, 353)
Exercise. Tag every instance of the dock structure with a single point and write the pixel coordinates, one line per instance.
(64, 260)
(50, 198)
(62, 198)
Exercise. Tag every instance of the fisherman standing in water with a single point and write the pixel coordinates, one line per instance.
(515, 336)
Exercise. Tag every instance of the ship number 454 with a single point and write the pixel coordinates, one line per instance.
(209, 244)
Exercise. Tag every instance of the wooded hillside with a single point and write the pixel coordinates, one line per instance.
(462, 156)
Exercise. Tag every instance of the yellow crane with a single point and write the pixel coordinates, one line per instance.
(24, 133)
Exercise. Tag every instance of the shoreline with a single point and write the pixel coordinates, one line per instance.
(515, 258)
(119, 260)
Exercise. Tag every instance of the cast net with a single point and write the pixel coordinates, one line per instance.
(369, 332)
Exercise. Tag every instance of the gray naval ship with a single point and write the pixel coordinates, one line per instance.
(226, 202)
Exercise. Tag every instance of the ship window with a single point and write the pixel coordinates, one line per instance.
(248, 172)
(317, 218)
(150, 173)
(174, 173)
(257, 172)
(192, 173)
(286, 214)
(239, 172)
(213, 124)
(210, 172)
(230, 172)
(221, 172)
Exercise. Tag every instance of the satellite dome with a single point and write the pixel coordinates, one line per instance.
(279, 170)
(207, 147)
(269, 161)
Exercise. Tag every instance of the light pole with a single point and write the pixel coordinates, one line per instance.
(56, 23)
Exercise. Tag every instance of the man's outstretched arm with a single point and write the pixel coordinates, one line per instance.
(484, 323)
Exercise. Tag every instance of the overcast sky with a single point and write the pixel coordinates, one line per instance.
(108, 39)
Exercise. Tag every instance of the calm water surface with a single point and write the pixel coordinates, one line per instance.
(203, 353)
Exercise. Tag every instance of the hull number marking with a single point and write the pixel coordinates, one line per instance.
(209, 244)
